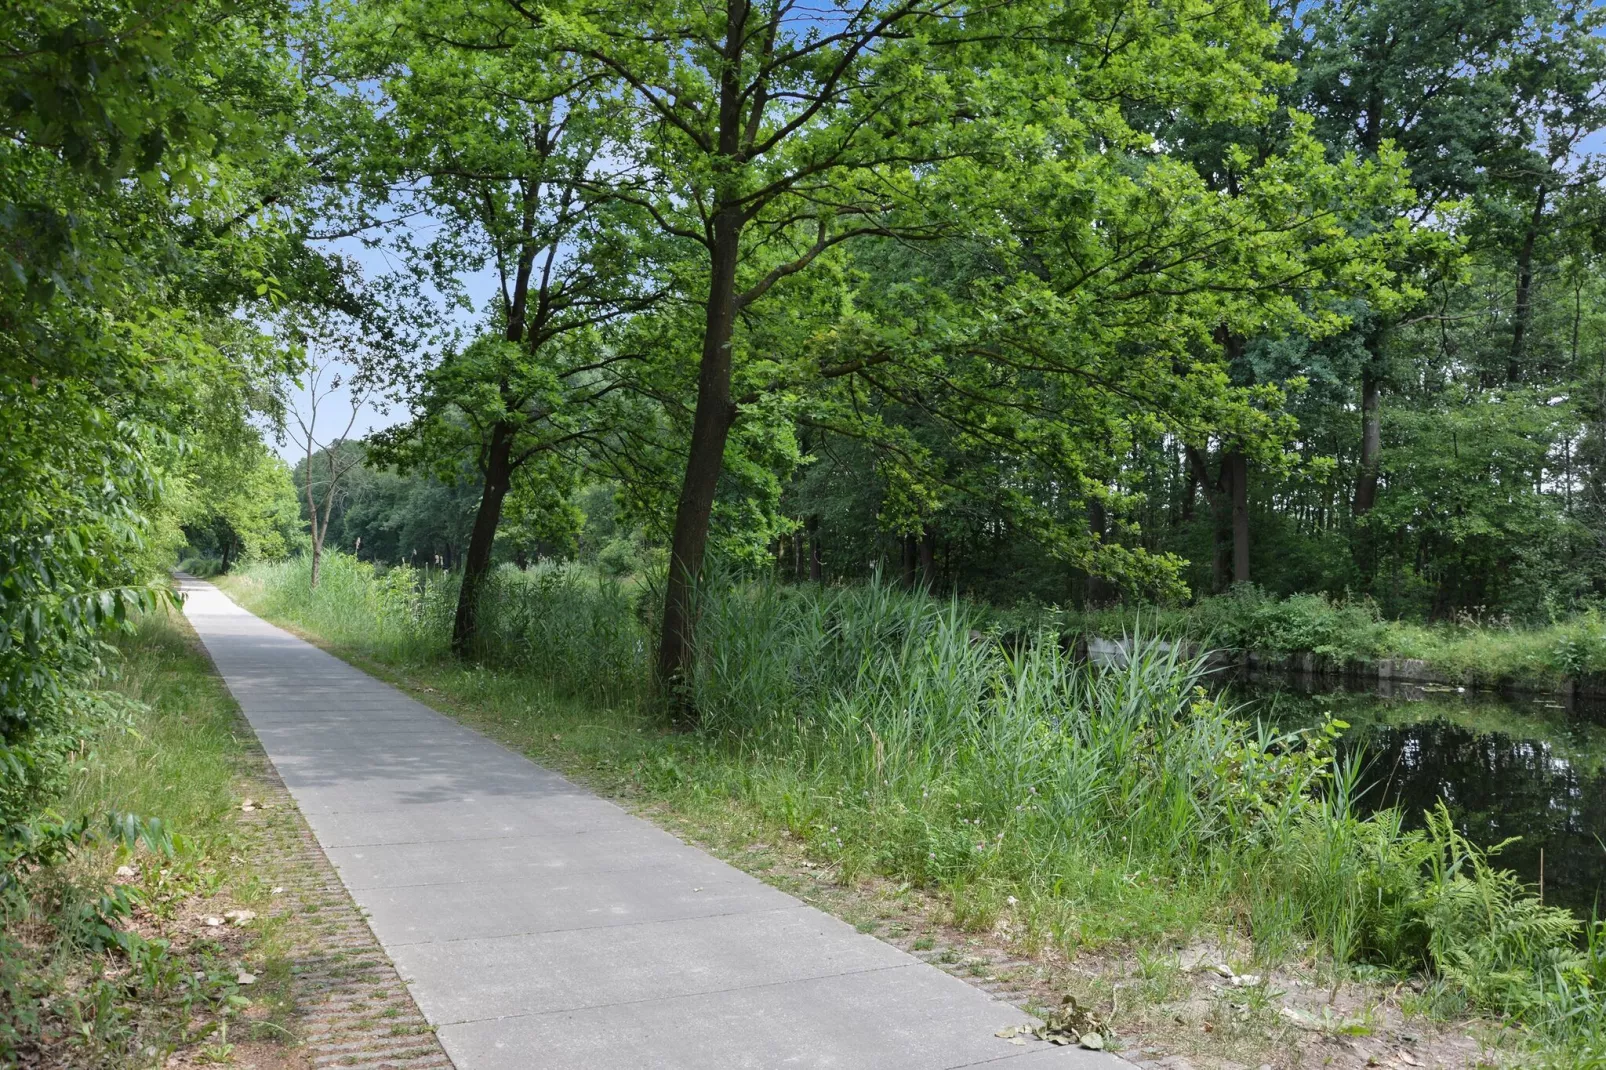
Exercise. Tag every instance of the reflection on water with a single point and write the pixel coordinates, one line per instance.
(1505, 766)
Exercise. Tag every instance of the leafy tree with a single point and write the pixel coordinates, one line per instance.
(1041, 366)
(762, 141)
(1557, 81)
(1429, 79)
(402, 519)
(135, 148)
(765, 144)
(1460, 481)
(542, 518)
(239, 503)
(495, 138)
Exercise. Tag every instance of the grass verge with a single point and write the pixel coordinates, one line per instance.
(155, 950)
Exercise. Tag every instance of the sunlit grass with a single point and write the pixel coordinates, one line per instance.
(179, 756)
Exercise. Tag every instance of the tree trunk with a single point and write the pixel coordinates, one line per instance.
(1190, 485)
(1362, 540)
(1098, 590)
(1567, 473)
(928, 559)
(1523, 312)
(1371, 439)
(1231, 499)
(1235, 470)
(312, 519)
(1218, 496)
(906, 560)
(498, 477)
(816, 562)
(711, 424)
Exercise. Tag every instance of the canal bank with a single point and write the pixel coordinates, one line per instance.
(1521, 767)
(1523, 770)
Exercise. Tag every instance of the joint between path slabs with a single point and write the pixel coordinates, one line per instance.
(447, 942)
(710, 992)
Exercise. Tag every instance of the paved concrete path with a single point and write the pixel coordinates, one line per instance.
(541, 926)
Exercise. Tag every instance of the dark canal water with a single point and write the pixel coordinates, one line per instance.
(1532, 767)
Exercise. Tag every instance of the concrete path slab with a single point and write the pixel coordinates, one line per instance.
(537, 857)
(540, 926)
(471, 910)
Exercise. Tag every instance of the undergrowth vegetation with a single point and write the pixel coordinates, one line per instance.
(896, 734)
(1478, 648)
(101, 960)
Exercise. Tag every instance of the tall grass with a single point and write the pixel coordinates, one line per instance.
(402, 614)
(900, 700)
(893, 733)
(956, 758)
(568, 626)
(179, 755)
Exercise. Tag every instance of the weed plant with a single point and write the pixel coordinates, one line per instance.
(900, 734)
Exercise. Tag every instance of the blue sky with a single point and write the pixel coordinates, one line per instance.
(371, 416)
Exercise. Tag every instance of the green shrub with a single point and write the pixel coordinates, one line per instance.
(79, 984)
(200, 566)
(1484, 651)
(619, 557)
(1248, 618)
(568, 626)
